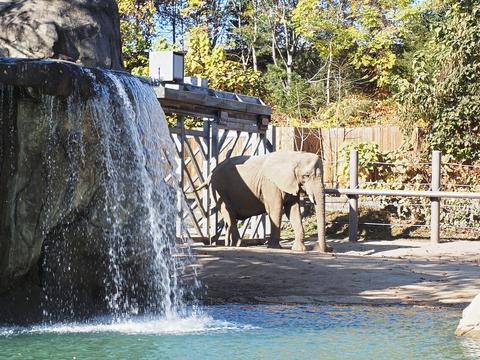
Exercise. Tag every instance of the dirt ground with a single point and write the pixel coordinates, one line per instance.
(375, 272)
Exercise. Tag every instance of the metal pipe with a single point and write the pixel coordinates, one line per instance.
(405, 193)
(435, 201)
(353, 199)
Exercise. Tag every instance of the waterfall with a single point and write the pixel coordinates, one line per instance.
(118, 204)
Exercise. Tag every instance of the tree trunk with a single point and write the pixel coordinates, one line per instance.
(289, 71)
(329, 73)
(274, 53)
(254, 58)
(255, 29)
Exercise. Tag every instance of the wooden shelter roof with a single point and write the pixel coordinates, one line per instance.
(232, 111)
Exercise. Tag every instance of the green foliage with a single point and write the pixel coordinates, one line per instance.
(212, 62)
(443, 91)
(368, 154)
(137, 25)
(365, 33)
(377, 31)
(330, 63)
(210, 15)
(302, 100)
(349, 111)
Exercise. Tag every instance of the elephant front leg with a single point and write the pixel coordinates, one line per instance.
(275, 216)
(294, 215)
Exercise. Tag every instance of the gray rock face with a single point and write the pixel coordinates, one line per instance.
(470, 323)
(81, 31)
(45, 192)
(86, 214)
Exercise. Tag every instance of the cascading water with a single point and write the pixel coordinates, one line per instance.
(133, 250)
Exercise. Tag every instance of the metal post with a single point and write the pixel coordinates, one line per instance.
(353, 199)
(435, 202)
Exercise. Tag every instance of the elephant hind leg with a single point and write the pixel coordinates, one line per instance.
(232, 235)
(236, 239)
(218, 232)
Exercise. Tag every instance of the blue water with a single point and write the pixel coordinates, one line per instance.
(254, 332)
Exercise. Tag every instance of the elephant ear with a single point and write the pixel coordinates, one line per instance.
(281, 171)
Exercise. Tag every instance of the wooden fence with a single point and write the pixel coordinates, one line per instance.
(318, 141)
(328, 142)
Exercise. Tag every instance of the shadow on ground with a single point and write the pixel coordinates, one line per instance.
(252, 275)
(374, 225)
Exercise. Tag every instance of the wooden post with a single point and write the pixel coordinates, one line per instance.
(205, 172)
(435, 202)
(181, 125)
(181, 173)
(271, 139)
(213, 161)
(353, 199)
(270, 143)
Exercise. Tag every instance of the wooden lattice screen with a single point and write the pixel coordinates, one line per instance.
(199, 151)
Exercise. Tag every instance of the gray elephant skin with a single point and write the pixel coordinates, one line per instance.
(246, 186)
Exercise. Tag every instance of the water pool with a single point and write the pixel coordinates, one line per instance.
(254, 332)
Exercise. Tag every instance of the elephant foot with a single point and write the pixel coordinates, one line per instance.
(298, 246)
(240, 243)
(324, 249)
(274, 245)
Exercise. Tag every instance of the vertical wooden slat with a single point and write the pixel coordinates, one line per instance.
(213, 218)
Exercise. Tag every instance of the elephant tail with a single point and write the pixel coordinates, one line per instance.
(205, 184)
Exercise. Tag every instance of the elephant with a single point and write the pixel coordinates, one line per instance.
(246, 186)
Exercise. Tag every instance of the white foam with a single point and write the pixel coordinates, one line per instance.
(172, 325)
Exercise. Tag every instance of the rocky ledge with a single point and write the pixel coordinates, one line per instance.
(82, 31)
(470, 323)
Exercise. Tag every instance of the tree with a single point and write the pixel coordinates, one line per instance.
(368, 33)
(170, 16)
(378, 32)
(249, 31)
(286, 41)
(443, 91)
(325, 25)
(137, 26)
(212, 15)
(212, 62)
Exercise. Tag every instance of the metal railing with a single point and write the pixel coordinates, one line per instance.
(353, 192)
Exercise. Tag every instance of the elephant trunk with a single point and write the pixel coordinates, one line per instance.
(319, 195)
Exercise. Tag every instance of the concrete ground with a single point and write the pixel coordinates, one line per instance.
(375, 272)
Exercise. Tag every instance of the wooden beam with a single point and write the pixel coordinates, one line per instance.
(208, 101)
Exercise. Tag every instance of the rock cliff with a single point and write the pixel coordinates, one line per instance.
(81, 31)
(87, 217)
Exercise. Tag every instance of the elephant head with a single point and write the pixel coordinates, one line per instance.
(295, 172)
